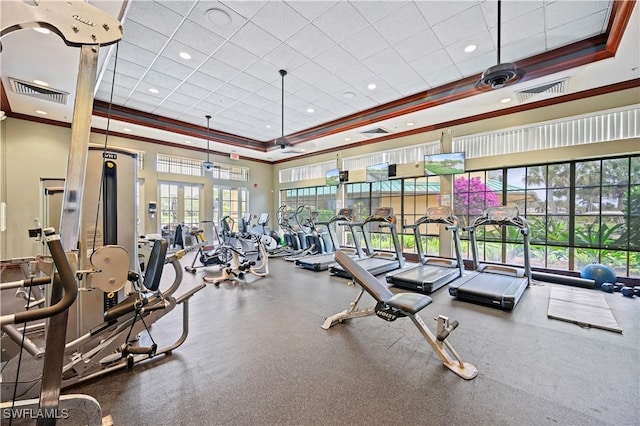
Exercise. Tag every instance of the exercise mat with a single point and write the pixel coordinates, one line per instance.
(583, 307)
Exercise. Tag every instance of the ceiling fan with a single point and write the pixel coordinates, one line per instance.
(498, 76)
(208, 165)
(285, 146)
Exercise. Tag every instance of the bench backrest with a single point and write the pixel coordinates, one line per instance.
(369, 283)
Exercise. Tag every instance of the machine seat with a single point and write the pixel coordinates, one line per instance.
(409, 303)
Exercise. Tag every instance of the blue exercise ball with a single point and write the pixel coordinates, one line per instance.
(599, 273)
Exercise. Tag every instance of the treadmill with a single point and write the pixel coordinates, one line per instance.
(376, 262)
(496, 285)
(433, 272)
(322, 262)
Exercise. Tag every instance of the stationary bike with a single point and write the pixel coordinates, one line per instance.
(216, 256)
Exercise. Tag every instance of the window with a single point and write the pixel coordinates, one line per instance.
(233, 202)
(178, 165)
(168, 207)
(192, 206)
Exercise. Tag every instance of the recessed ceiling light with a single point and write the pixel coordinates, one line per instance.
(185, 55)
(39, 111)
(371, 86)
(348, 95)
(470, 48)
(41, 83)
(411, 123)
(218, 17)
(309, 110)
(268, 126)
(155, 91)
(42, 30)
(347, 139)
(126, 129)
(188, 142)
(505, 100)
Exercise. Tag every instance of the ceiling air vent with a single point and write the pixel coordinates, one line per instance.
(40, 92)
(376, 131)
(544, 90)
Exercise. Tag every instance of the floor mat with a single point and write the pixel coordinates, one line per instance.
(583, 307)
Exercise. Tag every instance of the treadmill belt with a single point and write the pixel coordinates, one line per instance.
(497, 290)
(424, 278)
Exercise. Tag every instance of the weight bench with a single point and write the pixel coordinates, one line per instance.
(390, 306)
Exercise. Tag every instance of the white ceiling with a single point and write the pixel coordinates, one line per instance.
(332, 51)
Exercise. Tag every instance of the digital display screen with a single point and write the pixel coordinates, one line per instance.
(444, 164)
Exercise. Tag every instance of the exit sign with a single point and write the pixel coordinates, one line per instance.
(234, 156)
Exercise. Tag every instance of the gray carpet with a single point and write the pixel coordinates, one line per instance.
(256, 355)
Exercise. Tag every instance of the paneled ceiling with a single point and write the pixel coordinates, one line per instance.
(351, 66)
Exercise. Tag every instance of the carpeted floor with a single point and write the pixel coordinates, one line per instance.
(256, 355)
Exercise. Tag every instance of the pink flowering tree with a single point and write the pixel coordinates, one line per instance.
(471, 197)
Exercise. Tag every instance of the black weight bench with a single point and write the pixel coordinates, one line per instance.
(390, 306)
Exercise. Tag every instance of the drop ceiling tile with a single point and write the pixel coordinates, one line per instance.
(483, 41)
(285, 57)
(206, 108)
(144, 37)
(220, 100)
(233, 92)
(280, 19)
(135, 54)
(181, 99)
(257, 101)
(235, 56)
(121, 80)
(311, 9)
(174, 48)
(437, 11)
(566, 34)
(140, 106)
(365, 43)
(431, 63)
(412, 87)
(341, 21)
(418, 45)
(310, 41)
(384, 60)
(270, 92)
(198, 37)
(461, 26)
(128, 68)
(561, 13)
(311, 72)
(193, 91)
(478, 64)
(385, 95)
(375, 10)
(263, 70)
(335, 59)
(311, 93)
(516, 9)
(247, 82)
(199, 15)
(400, 75)
(442, 76)
(118, 91)
(254, 39)
(532, 45)
(401, 24)
(141, 95)
(105, 96)
(171, 68)
(182, 8)
(356, 73)
(153, 15)
(219, 70)
(522, 27)
(245, 8)
(205, 81)
(333, 85)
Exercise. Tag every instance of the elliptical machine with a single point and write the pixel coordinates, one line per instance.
(214, 256)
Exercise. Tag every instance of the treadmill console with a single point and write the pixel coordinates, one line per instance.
(502, 213)
(383, 212)
(439, 213)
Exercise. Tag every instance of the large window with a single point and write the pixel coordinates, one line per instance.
(168, 207)
(192, 206)
(179, 204)
(578, 212)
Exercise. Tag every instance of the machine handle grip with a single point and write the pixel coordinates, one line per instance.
(64, 276)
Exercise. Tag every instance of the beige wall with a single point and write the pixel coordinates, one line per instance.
(31, 151)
